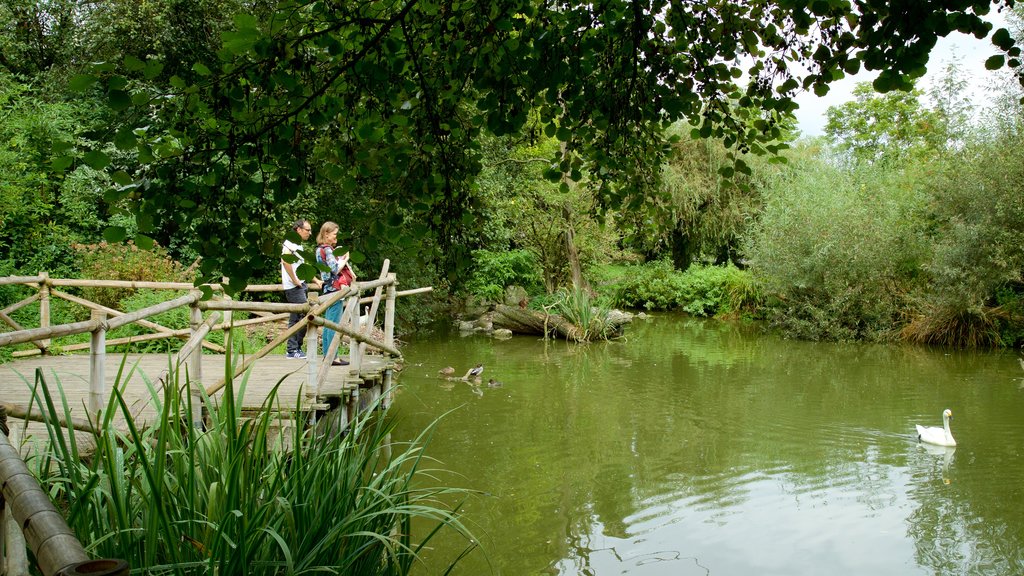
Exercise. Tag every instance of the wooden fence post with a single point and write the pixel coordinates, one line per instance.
(389, 311)
(196, 368)
(312, 363)
(354, 349)
(97, 365)
(44, 307)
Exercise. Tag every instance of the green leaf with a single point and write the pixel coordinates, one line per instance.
(144, 242)
(995, 62)
(119, 100)
(200, 69)
(1002, 39)
(121, 178)
(153, 69)
(81, 82)
(96, 159)
(114, 234)
(61, 163)
(133, 64)
(124, 139)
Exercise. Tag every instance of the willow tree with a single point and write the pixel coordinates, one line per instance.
(359, 92)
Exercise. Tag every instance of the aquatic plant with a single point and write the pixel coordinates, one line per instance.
(591, 318)
(241, 497)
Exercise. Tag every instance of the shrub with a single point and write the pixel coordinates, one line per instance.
(652, 286)
(495, 271)
(977, 267)
(832, 281)
(116, 261)
(701, 290)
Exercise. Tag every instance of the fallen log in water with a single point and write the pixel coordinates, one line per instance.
(525, 321)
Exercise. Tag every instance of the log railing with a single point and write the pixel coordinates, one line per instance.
(206, 315)
(26, 514)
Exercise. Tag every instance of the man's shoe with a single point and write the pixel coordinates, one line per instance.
(339, 362)
(299, 355)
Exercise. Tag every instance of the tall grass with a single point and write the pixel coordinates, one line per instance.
(591, 318)
(240, 498)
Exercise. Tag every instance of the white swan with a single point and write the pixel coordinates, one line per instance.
(936, 435)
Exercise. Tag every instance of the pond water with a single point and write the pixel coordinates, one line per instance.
(697, 447)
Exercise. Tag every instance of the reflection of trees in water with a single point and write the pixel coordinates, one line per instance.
(688, 413)
(955, 533)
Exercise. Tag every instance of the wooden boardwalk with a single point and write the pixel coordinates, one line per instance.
(70, 375)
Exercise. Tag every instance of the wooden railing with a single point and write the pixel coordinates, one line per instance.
(218, 311)
(28, 513)
(29, 520)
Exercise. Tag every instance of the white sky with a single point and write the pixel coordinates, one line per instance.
(970, 51)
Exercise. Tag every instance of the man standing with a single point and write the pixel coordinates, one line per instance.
(294, 289)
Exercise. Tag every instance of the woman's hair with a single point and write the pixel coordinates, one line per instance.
(325, 229)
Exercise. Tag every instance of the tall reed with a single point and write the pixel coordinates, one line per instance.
(576, 306)
(239, 498)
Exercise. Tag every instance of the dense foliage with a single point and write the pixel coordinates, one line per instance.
(394, 98)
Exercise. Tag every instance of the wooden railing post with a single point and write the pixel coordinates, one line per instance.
(389, 311)
(389, 337)
(97, 364)
(44, 307)
(312, 362)
(354, 346)
(195, 363)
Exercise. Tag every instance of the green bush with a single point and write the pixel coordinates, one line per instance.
(495, 271)
(652, 286)
(701, 290)
(107, 261)
(840, 250)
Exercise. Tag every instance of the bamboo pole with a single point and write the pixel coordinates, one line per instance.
(154, 310)
(23, 413)
(389, 314)
(414, 291)
(356, 334)
(109, 311)
(180, 334)
(354, 357)
(253, 306)
(311, 347)
(14, 553)
(21, 303)
(372, 316)
(57, 331)
(199, 331)
(283, 336)
(133, 284)
(44, 306)
(20, 280)
(162, 331)
(53, 544)
(98, 365)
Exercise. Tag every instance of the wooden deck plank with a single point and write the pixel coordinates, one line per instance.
(72, 373)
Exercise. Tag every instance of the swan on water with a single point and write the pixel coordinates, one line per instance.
(935, 435)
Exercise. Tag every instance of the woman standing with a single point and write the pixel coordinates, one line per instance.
(338, 277)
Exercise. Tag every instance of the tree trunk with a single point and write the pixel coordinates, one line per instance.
(682, 250)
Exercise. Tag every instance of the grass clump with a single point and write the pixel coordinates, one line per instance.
(240, 498)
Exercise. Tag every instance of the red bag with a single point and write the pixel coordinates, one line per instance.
(344, 277)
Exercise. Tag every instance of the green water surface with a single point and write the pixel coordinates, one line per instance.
(696, 447)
